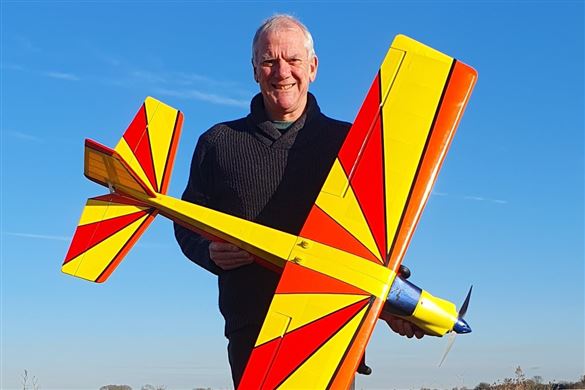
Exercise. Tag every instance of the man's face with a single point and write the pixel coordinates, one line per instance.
(283, 70)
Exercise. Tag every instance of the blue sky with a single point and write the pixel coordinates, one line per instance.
(506, 214)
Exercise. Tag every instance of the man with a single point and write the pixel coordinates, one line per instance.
(267, 167)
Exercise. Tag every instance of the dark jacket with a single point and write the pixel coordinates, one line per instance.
(250, 169)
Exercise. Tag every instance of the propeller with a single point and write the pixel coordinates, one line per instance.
(460, 327)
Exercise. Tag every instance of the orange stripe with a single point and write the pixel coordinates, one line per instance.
(454, 101)
(346, 371)
(166, 179)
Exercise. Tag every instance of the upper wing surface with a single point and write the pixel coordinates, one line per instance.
(339, 273)
(385, 170)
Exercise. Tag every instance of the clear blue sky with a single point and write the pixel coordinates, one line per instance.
(506, 214)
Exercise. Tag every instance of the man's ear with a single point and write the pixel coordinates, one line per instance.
(314, 64)
(254, 70)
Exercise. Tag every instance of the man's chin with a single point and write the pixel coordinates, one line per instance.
(283, 106)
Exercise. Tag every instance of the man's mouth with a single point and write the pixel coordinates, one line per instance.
(284, 87)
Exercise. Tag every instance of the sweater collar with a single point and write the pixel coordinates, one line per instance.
(268, 134)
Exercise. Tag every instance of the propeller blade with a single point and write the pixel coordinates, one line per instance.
(452, 337)
(463, 309)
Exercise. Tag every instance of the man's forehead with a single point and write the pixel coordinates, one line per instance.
(291, 39)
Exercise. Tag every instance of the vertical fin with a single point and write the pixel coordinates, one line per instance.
(150, 143)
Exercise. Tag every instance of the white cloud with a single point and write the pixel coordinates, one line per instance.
(195, 78)
(207, 97)
(478, 198)
(62, 76)
(38, 236)
(484, 199)
(23, 136)
(475, 198)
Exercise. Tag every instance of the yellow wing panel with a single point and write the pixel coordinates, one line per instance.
(310, 308)
(406, 44)
(96, 210)
(408, 115)
(161, 126)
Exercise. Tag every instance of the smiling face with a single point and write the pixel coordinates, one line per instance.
(283, 69)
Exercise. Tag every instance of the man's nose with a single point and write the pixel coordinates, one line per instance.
(282, 68)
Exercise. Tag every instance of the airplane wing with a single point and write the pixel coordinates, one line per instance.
(339, 273)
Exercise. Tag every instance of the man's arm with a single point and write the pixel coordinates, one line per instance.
(195, 247)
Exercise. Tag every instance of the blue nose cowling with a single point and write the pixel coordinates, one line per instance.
(461, 327)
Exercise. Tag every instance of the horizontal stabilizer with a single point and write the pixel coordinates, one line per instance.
(108, 228)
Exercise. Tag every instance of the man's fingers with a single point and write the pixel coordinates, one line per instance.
(393, 325)
(227, 256)
(404, 328)
(408, 331)
(215, 255)
(223, 247)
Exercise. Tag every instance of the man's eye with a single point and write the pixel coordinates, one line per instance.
(268, 63)
(295, 61)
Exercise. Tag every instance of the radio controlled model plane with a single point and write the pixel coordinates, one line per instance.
(343, 269)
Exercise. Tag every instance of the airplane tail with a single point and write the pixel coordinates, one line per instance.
(138, 168)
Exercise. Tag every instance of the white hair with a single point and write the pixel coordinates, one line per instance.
(279, 22)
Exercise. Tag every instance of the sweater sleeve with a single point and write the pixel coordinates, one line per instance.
(194, 246)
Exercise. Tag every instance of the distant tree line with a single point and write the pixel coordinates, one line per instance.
(520, 382)
(126, 387)
(145, 387)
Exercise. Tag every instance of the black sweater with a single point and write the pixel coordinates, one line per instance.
(247, 168)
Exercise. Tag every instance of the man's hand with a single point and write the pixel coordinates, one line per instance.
(227, 256)
(402, 327)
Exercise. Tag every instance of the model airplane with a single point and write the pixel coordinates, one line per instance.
(342, 270)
